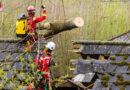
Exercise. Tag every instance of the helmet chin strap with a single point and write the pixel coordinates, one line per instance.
(52, 53)
(46, 48)
(31, 13)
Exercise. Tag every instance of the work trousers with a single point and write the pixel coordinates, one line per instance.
(39, 80)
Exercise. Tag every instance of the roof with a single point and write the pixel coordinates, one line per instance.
(96, 48)
(15, 64)
(118, 45)
(111, 69)
(123, 37)
(103, 47)
(114, 72)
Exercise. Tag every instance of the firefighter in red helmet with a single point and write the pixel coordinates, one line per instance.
(32, 20)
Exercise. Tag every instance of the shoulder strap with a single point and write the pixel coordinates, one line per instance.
(29, 17)
(39, 60)
(44, 54)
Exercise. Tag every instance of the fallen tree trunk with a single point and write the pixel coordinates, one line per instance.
(56, 27)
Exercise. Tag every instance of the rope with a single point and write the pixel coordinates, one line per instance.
(35, 3)
(27, 35)
(24, 37)
(52, 3)
(38, 51)
(11, 30)
(63, 9)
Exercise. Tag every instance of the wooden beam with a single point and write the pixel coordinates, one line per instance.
(56, 64)
(72, 69)
(71, 60)
(75, 50)
(10, 40)
(76, 46)
(89, 86)
(102, 58)
(78, 84)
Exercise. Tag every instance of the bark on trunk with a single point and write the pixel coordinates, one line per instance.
(56, 27)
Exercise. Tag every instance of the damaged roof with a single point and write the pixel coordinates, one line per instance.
(123, 37)
(119, 45)
(15, 64)
(114, 72)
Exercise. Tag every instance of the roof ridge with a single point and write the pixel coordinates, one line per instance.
(119, 35)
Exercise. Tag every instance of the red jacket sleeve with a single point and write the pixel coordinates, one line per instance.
(39, 19)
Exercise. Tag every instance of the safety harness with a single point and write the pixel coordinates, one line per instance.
(44, 54)
(42, 82)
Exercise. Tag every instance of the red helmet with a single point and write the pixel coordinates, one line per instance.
(31, 9)
(0, 4)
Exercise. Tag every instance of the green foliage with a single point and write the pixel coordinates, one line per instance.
(113, 58)
(21, 58)
(8, 58)
(123, 87)
(118, 83)
(59, 81)
(122, 83)
(105, 77)
(110, 88)
(105, 83)
(11, 84)
(127, 83)
(30, 58)
(120, 77)
(1, 72)
(1, 85)
(121, 63)
(125, 57)
(128, 73)
(129, 66)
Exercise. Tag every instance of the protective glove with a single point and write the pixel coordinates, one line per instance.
(43, 7)
(52, 63)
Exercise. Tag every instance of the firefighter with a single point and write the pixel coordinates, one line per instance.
(43, 63)
(32, 20)
(1, 7)
(0, 4)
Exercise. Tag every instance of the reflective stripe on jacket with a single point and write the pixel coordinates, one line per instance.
(33, 20)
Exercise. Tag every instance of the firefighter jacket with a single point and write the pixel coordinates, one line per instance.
(32, 20)
(43, 62)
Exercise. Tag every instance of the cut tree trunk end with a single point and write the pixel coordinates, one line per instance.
(58, 26)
